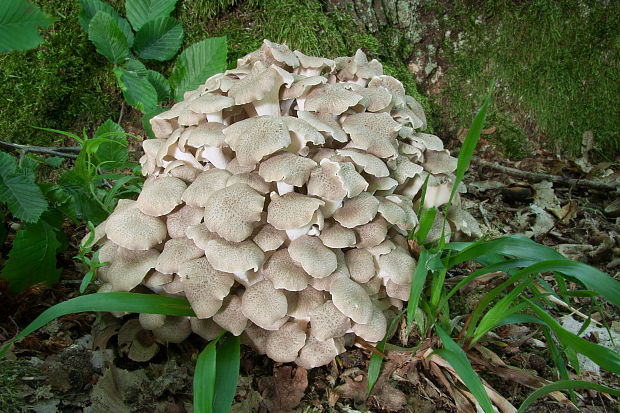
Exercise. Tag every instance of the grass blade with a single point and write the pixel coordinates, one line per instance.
(226, 373)
(204, 378)
(417, 285)
(426, 222)
(457, 358)
(114, 301)
(566, 385)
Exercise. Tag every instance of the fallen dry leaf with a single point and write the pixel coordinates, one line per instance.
(289, 388)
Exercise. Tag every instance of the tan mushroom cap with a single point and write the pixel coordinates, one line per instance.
(331, 98)
(437, 162)
(398, 265)
(210, 103)
(177, 222)
(379, 98)
(335, 180)
(399, 291)
(357, 211)
(427, 141)
(300, 85)
(209, 134)
(230, 317)
(463, 222)
(151, 321)
(174, 330)
(317, 353)
(205, 287)
(205, 328)
(139, 347)
(183, 170)
(231, 211)
(292, 210)
(131, 229)
(393, 85)
(252, 179)
(361, 265)
(284, 273)
(201, 235)
(281, 53)
(403, 169)
(372, 233)
(263, 304)
(304, 302)
(351, 299)
(327, 322)
(175, 286)
(324, 122)
(269, 238)
(375, 330)
(373, 132)
(254, 138)
(312, 65)
(176, 252)
(315, 258)
(335, 235)
(128, 268)
(233, 257)
(371, 164)
(156, 279)
(287, 167)
(205, 185)
(283, 345)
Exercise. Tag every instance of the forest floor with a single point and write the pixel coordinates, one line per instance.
(74, 364)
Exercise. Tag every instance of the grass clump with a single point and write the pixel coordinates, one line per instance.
(556, 63)
(62, 84)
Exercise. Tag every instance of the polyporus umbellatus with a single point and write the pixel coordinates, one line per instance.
(278, 200)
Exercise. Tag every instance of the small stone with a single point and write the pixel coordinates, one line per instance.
(613, 210)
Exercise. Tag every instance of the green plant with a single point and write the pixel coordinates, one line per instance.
(19, 20)
(157, 37)
(88, 192)
(519, 299)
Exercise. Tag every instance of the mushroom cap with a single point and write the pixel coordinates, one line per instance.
(438, 162)
(211, 103)
(205, 287)
(371, 234)
(327, 322)
(230, 317)
(178, 221)
(373, 132)
(351, 299)
(317, 353)
(174, 330)
(284, 273)
(335, 180)
(231, 211)
(129, 267)
(335, 235)
(205, 185)
(254, 138)
(283, 345)
(287, 167)
(151, 321)
(331, 98)
(361, 265)
(205, 328)
(263, 304)
(209, 133)
(373, 331)
(371, 164)
(357, 211)
(176, 252)
(305, 301)
(315, 258)
(233, 257)
(269, 238)
(128, 227)
(398, 265)
(292, 210)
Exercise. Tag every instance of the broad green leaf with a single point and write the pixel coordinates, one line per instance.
(91, 7)
(8, 165)
(86, 207)
(33, 257)
(114, 301)
(204, 378)
(604, 357)
(141, 11)
(114, 150)
(417, 286)
(161, 85)
(457, 358)
(566, 385)
(59, 199)
(159, 39)
(19, 20)
(197, 63)
(54, 161)
(23, 197)
(146, 124)
(138, 91)
(28, 167)
(136, 66)
(108, 38)
(226, 373)
(3, 230)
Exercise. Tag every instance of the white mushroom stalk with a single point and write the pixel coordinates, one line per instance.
(277, 200)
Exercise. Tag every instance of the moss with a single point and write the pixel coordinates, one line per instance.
(11, 384)
(63, 84)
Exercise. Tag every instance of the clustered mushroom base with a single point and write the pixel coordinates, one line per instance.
(278, 199)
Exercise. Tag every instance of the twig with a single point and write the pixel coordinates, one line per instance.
(65, 152)
(122, 112)
(539, 176)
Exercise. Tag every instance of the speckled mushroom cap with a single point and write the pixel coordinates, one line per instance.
(278, 200)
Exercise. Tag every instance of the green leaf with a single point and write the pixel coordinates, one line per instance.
(161, 85)
(566, 385)
(86, 207)
(197, 63)
(426, 222)
(457, 358)
(138, 91)
(91, 7)
(114, 149)
(114, 301)
(146, 124)
(23, 197)
(374, 365)
(204, 378)
(108, 38)
(141, 11)
(28, 167)
(32, 258)
(8, 165)
(159, 39)
(19, 20)
(417, 285)
(226, 373)
(53, 161)
(604, 357)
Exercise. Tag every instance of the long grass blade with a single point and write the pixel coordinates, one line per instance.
(114, 301)
(426, 222)
(566, 385)
(226, 373)
(417, 285)
(457, 358)
(604, 357)
(204, 378)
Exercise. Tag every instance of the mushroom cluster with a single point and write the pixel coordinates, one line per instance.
(278, 200)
